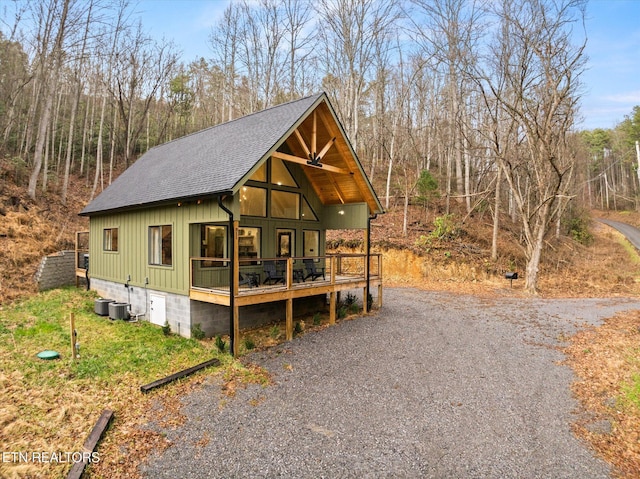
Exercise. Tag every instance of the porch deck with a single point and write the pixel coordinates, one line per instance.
(341, 272)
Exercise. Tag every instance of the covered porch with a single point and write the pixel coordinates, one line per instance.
(263, 280)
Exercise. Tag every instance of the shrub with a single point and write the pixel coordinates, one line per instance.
(220, 343)
(166, 329)
(249, 344)
(197, 332)
(579, 230)
(275, 332)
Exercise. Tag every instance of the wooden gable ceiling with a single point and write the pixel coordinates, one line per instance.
(336, 174)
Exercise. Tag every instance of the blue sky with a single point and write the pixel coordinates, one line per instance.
(612, 80)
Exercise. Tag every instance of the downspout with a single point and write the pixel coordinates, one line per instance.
(369, 218)
(232, 298)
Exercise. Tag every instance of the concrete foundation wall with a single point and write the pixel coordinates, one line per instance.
(182, 313)
(214, 319)
(177, 307)
(56, 270)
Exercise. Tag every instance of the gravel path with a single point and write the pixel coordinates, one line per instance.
(434, 385)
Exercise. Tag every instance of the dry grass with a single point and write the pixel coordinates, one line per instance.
(607, 362)
(57, 414)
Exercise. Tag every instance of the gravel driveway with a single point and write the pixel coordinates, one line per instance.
(433, 385)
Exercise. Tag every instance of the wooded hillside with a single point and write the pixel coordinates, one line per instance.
(471, 102)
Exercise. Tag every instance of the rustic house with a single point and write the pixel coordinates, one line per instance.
(225, 228)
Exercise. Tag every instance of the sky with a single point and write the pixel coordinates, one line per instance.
(611, 81)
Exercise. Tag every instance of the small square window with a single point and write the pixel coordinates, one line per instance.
(160, 245)
(110, 239)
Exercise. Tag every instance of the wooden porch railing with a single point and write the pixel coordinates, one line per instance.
(213, 273)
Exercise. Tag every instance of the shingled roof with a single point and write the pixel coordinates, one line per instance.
(210, 161)
(217, 160)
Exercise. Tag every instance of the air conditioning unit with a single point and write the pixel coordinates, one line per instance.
(101, 306)
(119, 310)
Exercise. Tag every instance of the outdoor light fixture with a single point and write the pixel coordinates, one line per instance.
(341, 212)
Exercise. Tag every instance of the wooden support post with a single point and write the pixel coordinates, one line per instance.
(289, 272)
(289, 320)
(74, 336)
(380, 295)
(332, 307)
(332, 263)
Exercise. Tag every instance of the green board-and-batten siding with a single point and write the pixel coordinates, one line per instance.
(132, 257)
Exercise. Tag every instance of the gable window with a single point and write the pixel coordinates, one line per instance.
(213, 244)
(160, 244)
(260, 174)
(110, 239)
(253, 201)
(307, 212)
(280, 174)
(285, 205)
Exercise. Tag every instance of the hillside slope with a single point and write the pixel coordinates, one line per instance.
(30, 230)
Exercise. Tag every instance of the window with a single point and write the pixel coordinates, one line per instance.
(260, 174)
(213, 244)
(307, 212)
(280, 174)
(311, 243)
(253, 201)
(285, 205)
(286, 243)
(160, 245)
(110, 239)
(249, 244)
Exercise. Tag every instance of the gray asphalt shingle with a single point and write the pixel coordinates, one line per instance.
(210, 161)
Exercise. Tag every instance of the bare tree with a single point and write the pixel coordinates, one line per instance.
(533, 81)
(349, 30)
(53, 20)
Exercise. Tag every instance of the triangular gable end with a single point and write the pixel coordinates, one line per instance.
(333, 169)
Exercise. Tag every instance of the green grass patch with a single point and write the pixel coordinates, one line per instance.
(631, 251)
(53, 404)
(108, 349)
(631, 391)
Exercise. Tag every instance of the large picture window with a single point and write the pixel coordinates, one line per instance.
(285, 205)
(110, 239)
(160, 245)
(213, 244)
(253, 201)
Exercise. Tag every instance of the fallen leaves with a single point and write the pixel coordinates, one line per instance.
(605, 359)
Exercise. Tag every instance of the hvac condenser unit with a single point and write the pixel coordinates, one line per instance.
(119, 310)
(101, 306)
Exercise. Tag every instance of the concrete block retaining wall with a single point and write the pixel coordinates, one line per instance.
(56, 270)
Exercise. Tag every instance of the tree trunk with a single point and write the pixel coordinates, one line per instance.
(496, 217)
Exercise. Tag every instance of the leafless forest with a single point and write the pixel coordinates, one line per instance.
(469, 101)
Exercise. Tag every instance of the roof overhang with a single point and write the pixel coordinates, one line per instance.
(318, 143)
